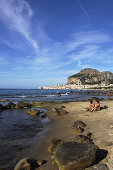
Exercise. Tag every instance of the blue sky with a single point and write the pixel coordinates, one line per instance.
(42, 42)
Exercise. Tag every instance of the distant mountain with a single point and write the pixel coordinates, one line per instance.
(90, 76)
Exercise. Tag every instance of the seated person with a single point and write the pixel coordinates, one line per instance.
(97, 106)
(91, 107)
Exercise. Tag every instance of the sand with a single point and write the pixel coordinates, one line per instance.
(99, 123)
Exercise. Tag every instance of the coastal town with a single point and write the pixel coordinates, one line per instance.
(78, 87)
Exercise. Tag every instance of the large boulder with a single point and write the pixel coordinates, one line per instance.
(33, 112)
(72, 155)
(54, 145)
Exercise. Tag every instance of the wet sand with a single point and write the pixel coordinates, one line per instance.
(99, 123)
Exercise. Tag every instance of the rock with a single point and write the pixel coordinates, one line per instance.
(22, 105)
(99, 166)
(82, 139)
(56, 111)
(23, 164)
(72, 155)
(54, 145)
(58, 94)
(1, 107)
(63, 112)
(90, 76)
(10, 106)
(76, 130)
(79, 124)
(43, 116)
(59, 112)
(28, 164)
(33, 112)
(93, 98)
(89, 134)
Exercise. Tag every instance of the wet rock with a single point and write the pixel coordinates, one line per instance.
(82, 139)
(23, 164)
(22, 105)
(72, 155)
(1, 107)
(10, 106)
(58, 94)
(33, 112)
(99, 166)
(28, 164)
(43, 116)
(54, 145)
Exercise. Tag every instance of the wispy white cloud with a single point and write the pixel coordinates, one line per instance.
(83, 10)
(17, 15)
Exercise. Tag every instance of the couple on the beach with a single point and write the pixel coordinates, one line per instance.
(93, 107)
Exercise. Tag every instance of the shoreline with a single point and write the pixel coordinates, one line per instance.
(98, 123)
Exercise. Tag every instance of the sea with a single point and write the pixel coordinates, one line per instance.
(20, 133)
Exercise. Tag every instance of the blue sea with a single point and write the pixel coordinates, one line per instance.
(45, 95)
(19, 132)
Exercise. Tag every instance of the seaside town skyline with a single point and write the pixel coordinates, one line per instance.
(44, 42)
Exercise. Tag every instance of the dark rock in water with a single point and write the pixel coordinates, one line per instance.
(82, 139)
(72, 155)
(10, 106)
(22, 105)
(54, 145)
(43, 116)
(28, 164)
(58, 94)
(33, 112)
(99, 166)
(1, 107)
(79, 124)
(23, 165)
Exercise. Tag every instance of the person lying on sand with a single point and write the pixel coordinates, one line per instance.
(97, 106)
(91, 106)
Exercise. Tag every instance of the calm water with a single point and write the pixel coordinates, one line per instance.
(20, 133)
(44, 95)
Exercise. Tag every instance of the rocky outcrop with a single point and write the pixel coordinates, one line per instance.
(72, 155)
(33, 112)
(91, 77)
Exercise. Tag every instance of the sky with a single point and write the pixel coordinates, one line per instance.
(42, 42)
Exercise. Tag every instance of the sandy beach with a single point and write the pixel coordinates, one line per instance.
(99, 123)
